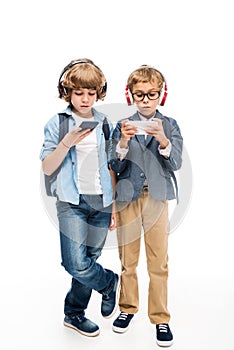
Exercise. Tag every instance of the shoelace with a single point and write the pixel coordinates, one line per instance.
(163, 328)
(123, 316)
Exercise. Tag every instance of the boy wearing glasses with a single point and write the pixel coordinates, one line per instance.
(147, 148)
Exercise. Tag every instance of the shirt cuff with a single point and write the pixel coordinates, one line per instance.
(122, 152)
(165, 152)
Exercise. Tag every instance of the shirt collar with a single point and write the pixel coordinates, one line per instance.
(143, 118)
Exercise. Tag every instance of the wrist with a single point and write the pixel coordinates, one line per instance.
(123, 143)
(64, 145)
(164, 144)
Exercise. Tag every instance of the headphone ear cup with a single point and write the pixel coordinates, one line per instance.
(128, 98)
(102, 91)
(62, 90)
(104, 88)
(164, 95)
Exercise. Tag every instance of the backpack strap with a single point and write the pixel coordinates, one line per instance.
(106, 131)
(63, 130)
(63, 125)
(176, 186)
(167, 130)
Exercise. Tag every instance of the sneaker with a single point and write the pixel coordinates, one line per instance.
(110, 300)
(164, 336)
(122, 322)
(82, 325)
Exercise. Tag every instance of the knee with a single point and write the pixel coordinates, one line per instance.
(94, 255)
(158, 269)
(78, 268)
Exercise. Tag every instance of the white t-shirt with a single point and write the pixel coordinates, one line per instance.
(88, 162)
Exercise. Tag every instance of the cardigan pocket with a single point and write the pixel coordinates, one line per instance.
(125, 173)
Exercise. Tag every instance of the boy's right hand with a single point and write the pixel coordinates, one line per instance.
(127, 132)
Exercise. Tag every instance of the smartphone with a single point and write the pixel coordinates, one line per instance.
(91, 124)
(141, 125)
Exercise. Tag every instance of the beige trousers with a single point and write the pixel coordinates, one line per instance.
(152, 216)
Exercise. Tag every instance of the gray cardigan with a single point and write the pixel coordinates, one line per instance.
(143, 161)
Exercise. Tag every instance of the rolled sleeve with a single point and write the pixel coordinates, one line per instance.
(165, 152)
(121, 152)
(51, 137)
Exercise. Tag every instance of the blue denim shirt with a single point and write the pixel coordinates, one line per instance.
(66, 184)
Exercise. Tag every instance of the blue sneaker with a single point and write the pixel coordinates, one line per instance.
(164, 336)
(82, 325)
(122, 322)
(110, 300)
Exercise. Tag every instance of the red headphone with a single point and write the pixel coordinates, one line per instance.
(163, 92)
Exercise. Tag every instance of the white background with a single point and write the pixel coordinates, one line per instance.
(191, 42)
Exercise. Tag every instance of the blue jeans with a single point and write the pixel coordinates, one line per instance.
(83, 230)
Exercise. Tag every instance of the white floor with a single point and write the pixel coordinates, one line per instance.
(200, 299)
(191, 43)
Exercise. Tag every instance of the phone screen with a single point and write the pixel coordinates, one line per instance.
(88, 125)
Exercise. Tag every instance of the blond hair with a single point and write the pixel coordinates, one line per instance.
(145, 74)
(84, 75)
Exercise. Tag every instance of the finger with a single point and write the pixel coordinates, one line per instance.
(112, 224)
(83, 132)
(129, 133)
(157, 121)
(81, 136)
(124, 122)
(151, 131)
(152, 128)
(130, 128)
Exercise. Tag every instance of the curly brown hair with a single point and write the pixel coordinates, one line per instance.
(84, 75)
(145, 74)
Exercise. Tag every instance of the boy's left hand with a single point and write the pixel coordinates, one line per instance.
(113, 222)
(158, 132)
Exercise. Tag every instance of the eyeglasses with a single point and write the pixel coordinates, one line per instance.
(152, 95)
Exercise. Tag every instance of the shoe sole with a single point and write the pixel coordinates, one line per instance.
(116, 300)
(164, 343)
(94, 334)
(119, 329)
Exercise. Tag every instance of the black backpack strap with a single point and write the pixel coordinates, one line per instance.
(176, 186)
(167, 130)
(63, 125)
(106, 131)
(63, 130)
